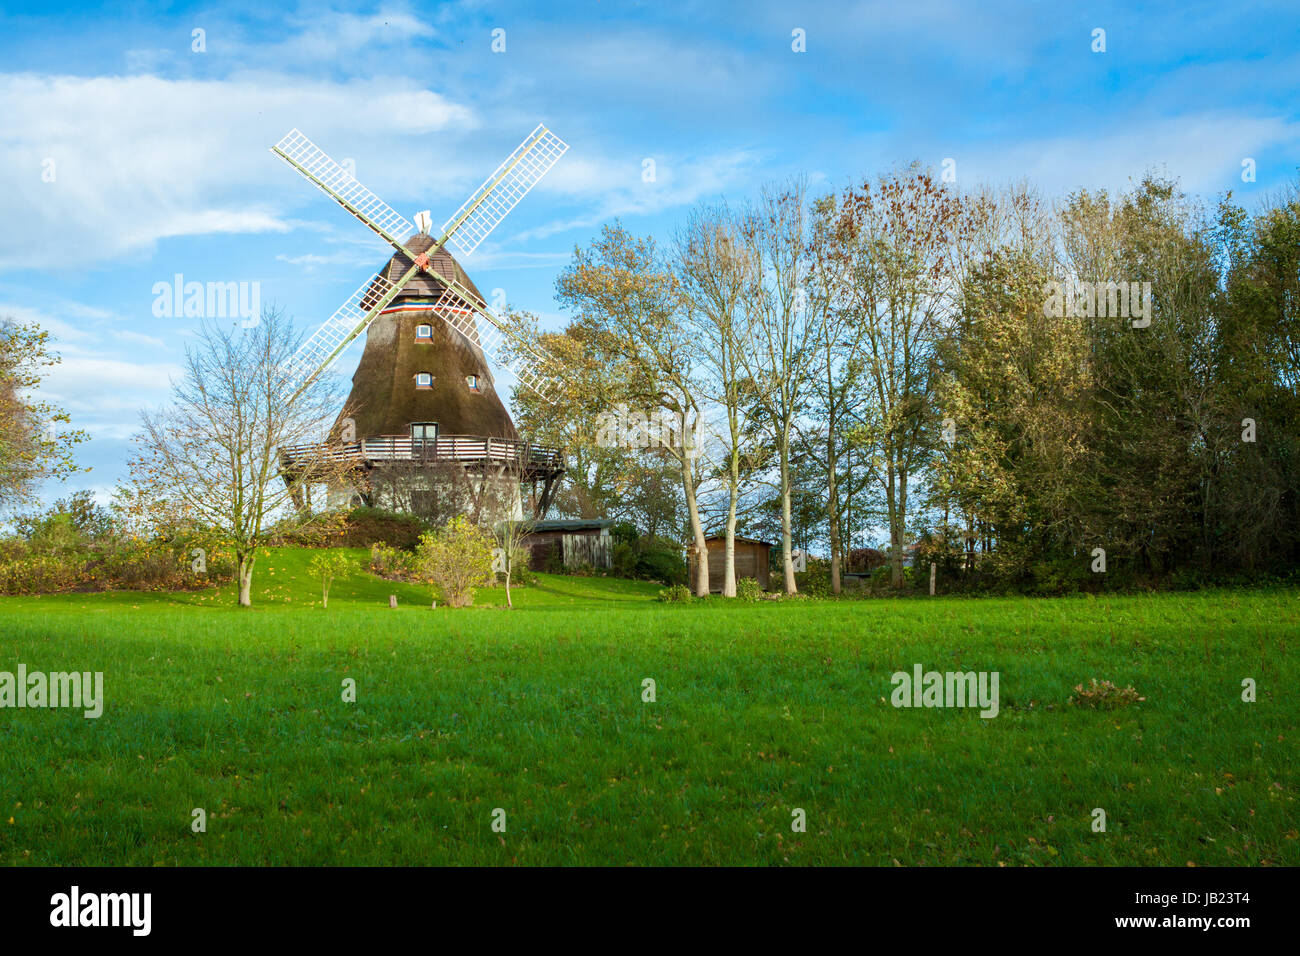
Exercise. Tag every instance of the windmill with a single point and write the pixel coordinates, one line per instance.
(423, 395)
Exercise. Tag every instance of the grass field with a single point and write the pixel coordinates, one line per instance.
(760, 709)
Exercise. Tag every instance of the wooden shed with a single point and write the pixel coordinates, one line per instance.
(753, 560)
(569, 544)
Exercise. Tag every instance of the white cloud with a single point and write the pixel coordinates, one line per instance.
(615, 188)
(326, 37)
(138, 159)
(1204, 151)
(102, 387)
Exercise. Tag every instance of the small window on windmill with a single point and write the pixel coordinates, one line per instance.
(423, 380)
(473, 382)
(424, 333)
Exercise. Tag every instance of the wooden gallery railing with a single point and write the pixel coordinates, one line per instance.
(400, 448)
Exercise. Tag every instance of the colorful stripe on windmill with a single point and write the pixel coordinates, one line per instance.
(424, 304)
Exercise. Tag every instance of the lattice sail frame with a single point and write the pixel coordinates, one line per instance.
(352, 318)
(501, 192)
(341, 186)
(457, 306)
(486, 207)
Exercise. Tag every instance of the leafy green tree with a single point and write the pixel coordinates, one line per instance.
(328, 567)
(33, 447)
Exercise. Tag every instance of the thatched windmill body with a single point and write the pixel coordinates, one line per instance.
(424, 424)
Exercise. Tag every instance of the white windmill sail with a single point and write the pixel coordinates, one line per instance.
(501, 192)
(458, 307)
(341, 186)
(326, 344)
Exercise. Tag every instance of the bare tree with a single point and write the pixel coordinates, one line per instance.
(901, 240)
(837, 364)
(214, 457)
(715, 272)
(780, 327)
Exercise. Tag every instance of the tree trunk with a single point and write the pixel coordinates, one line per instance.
(895, 535)
(245, 562)
(833, 515)
(701, 546)
(787, 558)
(693, 511)
(729, 572)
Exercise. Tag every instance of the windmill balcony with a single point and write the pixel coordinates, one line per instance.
(473, 451)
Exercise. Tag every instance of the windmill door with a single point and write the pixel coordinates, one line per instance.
(424, 439)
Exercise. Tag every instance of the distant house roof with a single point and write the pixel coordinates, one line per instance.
(572, 524)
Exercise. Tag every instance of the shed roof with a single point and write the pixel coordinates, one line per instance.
(739, 539)
(572, 524)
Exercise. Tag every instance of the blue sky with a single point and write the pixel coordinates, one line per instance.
(161, 165)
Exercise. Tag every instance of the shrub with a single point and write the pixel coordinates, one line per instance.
(55, 534)
(457, 559)
(1050, 578)
(748, 589)
(328, 567)
(147, 565)
(816, 581)
(648, 558)
(137, 564)
(365, 526)
(70, 524)
(1104, 696)
(660, 560)
(623, 559)
(624, 532)
(11, 549)
(41, 574)
(392, 563)
(676, 594)
(358, 528)
(862, 560)
(166, 563)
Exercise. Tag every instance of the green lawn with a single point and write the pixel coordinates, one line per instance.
(761, 709)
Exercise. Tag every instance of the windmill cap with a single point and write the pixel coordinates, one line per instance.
(442, 261)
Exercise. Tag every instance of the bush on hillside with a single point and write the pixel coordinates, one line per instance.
(646, 558)
(358, 528)
(676, 594)
(392, 563)
(457, 559)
